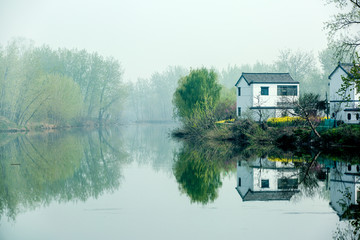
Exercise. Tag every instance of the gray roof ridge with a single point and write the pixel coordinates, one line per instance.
(264, 73)
(341, 65)
(347, 64)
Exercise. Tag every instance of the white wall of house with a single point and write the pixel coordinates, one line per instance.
(251, 97)
(244, 101)
(337, 105)
(272, 99)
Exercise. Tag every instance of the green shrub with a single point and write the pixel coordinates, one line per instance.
(343, 135)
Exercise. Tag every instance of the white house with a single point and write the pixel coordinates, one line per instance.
(345, 188)
(267, 94)
(264, 180)
(340, 109)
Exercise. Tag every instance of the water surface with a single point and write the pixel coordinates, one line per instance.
(135, 182)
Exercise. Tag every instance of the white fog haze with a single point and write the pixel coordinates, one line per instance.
(179, 119)
(149, 35)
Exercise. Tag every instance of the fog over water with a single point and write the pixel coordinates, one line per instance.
(149, 35)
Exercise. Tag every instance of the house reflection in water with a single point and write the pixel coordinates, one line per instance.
(265, 180)
(345, 189)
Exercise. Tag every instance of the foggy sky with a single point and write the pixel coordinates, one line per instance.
(148, 35)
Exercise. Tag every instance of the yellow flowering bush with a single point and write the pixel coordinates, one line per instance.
(226, 121)
(288, 120)
(283, 119)
(286, 160)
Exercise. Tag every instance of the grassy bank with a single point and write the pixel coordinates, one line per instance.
(9, 126)
(247, 132)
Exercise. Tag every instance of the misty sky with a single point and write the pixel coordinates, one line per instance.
(148, 35)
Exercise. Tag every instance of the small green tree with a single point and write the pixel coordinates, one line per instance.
(195, 90)
(351, 82)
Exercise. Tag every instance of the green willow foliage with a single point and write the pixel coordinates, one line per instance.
(198, 89)
(38, 84)
(351, 83)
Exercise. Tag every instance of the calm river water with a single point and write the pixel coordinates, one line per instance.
(135, 182)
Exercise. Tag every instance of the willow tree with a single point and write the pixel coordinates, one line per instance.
(198, 90)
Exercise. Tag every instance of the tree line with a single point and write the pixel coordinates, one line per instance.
(40, 84)
(150, 99)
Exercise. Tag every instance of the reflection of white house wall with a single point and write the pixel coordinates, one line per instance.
(245, 177)
(343, 179)
(339, 109)
(252, 173)
(272, 175)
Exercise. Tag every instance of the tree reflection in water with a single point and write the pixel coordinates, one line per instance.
(198, 169)
(60, 166)
(266, 173)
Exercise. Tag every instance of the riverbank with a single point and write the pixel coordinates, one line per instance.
(248, 132)
(6, 126)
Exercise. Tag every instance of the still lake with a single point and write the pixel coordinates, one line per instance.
(135, 182)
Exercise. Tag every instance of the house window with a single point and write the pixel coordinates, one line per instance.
(239, 183)
(239, 163)
(264, 90)
(349, 167)
(239, 91)
(264, 183)
(286, 90)
(287, 183)
(349, 116)
(239, 111)
(357, 116)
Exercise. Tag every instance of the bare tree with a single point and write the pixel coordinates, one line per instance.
(307, 107)
(260, 112)
(343, 28)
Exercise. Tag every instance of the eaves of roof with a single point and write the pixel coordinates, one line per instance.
(240, 79)
(339, 66)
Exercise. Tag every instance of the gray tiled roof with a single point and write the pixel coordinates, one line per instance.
(267, 78)
(269, 195)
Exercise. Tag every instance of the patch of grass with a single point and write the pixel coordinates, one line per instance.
(347, 135)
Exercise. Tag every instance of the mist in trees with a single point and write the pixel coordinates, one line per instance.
(72, 87)
(42, 85)
(151, 99)
(312, 72)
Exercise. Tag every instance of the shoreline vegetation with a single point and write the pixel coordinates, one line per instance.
(7, 126)
(201, 108)
(248, 132)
